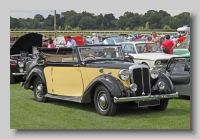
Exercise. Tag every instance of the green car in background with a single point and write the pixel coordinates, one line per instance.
(182, 49)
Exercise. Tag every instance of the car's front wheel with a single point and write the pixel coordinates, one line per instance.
(103, 102)
(163, 105)
(39, 91)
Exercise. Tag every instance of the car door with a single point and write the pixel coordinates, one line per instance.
(64, 78)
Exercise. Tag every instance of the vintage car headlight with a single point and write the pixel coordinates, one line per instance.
(161, 85)
(124, 74)
(154, 73)
(158, 62)
(21, 70)
(21, 64)
(133, 87)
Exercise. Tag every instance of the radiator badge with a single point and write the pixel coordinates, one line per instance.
(143, 94)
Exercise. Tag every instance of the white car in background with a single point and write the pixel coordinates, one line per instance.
(154, 57)
(62, 43)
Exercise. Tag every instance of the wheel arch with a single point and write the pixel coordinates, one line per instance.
(115, 87)
(36, 72)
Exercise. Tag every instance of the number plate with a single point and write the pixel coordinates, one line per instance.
(148, 103)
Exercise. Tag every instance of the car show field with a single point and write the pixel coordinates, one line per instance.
(26, 113)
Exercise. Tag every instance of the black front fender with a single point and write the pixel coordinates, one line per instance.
(114, 86)
(169, 87)
(35, 72)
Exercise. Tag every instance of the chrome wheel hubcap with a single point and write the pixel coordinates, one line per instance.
(39, 89)
(102, 101)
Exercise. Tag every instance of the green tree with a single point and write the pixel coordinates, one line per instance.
(87, 22)
(127, 29)
(147, 26)
(34, 24)
(59, 28)
(166, 27)
(39, 17)
(73, 21)
(68, 27)
(76, 28)
(15, 23)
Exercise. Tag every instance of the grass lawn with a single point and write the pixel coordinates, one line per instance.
(26, 113)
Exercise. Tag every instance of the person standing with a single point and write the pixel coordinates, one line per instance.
(168, 45)
(181, 38)
(71, 42)
(50, 43)
(95, 39)
(155, 39)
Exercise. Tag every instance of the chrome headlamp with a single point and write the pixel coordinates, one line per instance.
(124, 74)
(158, 62)
(154, 72)
(21, 70)
(21, 64)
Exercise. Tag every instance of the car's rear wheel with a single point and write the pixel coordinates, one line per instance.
(12, 79)
(39, 91)
(103, 102)
(163, 105)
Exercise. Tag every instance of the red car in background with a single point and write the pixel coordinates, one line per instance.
(78, 39)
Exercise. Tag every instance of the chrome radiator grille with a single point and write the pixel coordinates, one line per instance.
(142, 79)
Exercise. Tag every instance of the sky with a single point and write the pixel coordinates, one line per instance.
(117, 13)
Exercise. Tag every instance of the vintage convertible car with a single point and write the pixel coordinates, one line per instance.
(147, 53)
(80, 74)
(21, 55)
(179, 73)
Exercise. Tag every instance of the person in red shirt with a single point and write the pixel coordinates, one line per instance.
(181, 39)
(168, 44)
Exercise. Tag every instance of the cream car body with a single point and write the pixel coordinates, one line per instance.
(151, 59)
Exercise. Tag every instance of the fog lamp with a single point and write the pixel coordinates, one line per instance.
(161, 85)
(133, 87)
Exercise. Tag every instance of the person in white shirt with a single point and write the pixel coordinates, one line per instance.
(95, 39)
(71, 42)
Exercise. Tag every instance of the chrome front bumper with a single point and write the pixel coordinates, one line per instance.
(143, 98)
(17, 74)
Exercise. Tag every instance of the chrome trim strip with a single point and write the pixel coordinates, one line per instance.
(150, 97)
(16, 74)
(142, 81)
(68, 98)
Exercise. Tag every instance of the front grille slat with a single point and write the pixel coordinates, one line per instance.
(141, 78)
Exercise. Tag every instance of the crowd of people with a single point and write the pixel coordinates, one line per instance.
(167, 43)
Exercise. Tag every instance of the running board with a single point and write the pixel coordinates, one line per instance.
(68, 98)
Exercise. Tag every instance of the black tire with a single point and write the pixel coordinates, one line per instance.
(106, 107)
(12, 79)
(39, 91)
(163, 105)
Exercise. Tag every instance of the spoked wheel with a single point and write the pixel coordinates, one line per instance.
(103, 103)
(39, 91)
